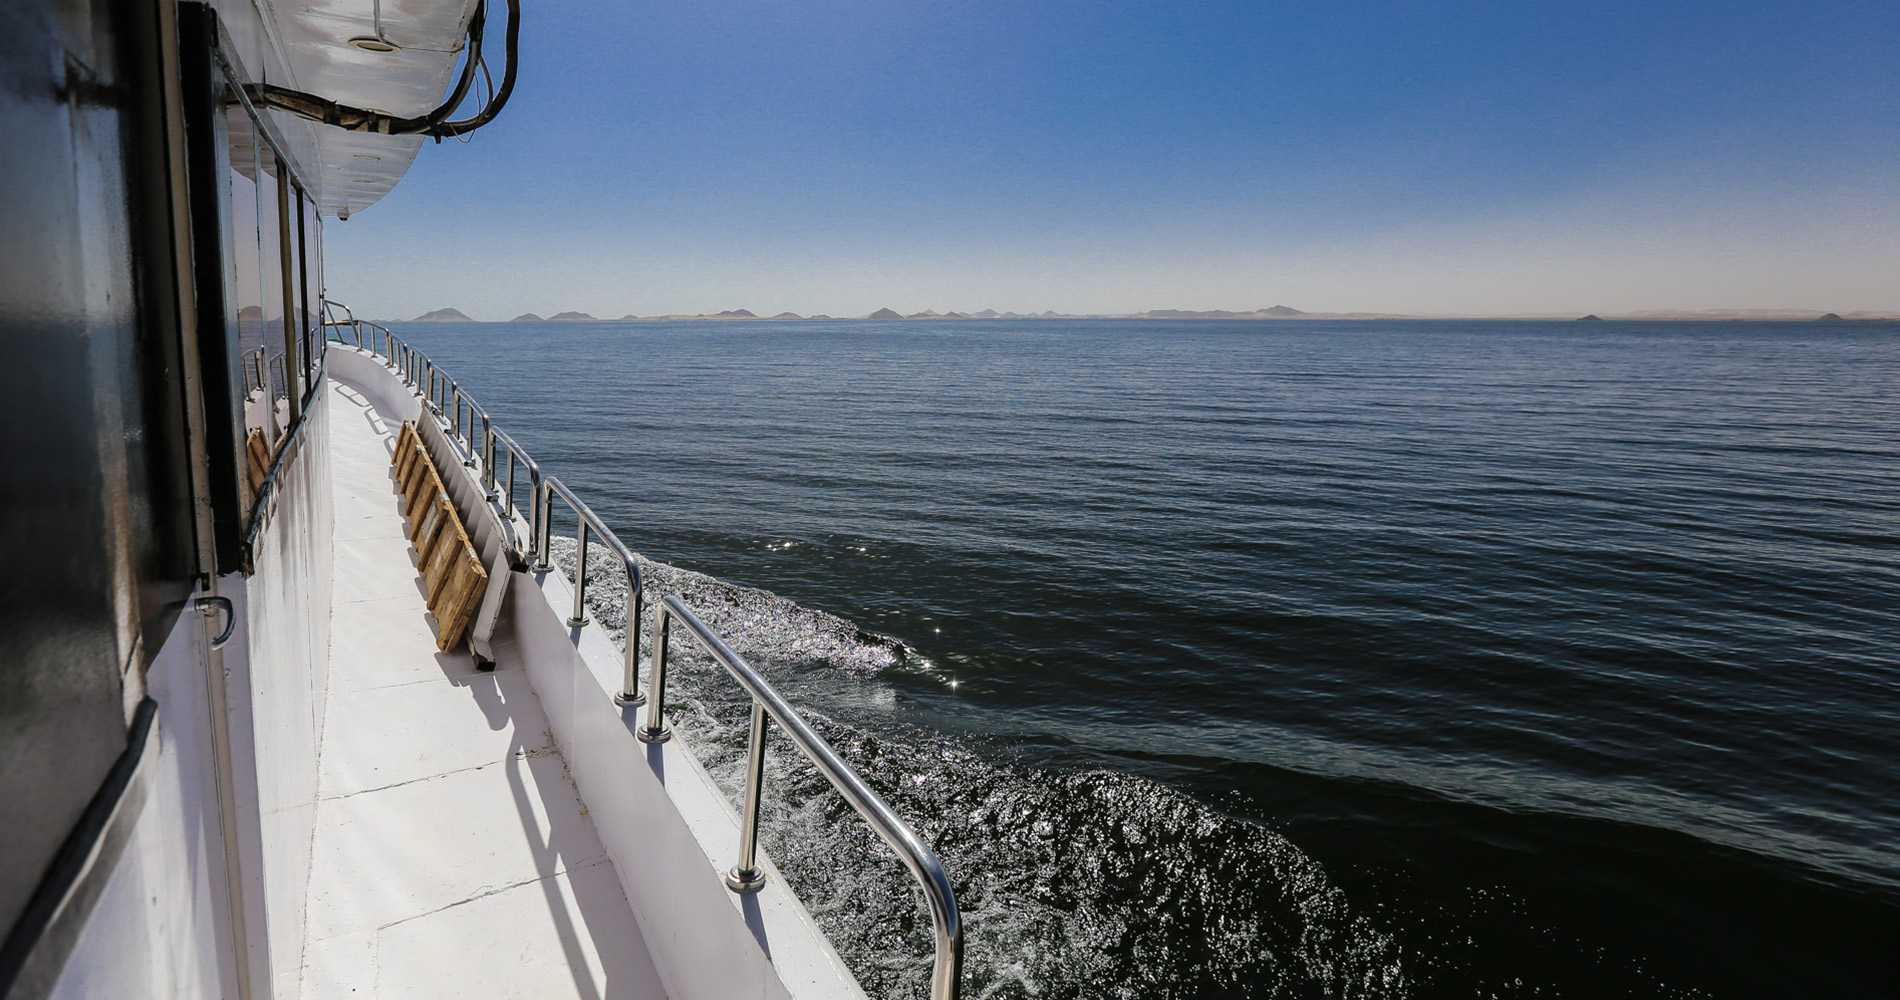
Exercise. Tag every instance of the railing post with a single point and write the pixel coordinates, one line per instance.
(746, 875)
(655, 730)
(488, 456)
(579, 617)
(511, 484)
(543, 503)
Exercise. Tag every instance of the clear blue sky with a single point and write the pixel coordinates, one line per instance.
(1110, 156)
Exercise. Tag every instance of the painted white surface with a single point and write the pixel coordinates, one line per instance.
(491, 533)
(278, 694)
(159, 929)
(452, 855)
(367, 374)
(667, 828)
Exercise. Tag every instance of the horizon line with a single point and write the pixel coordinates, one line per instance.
(1267, 314)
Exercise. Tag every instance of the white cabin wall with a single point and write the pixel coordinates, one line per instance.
(161, 928)
(278, 694)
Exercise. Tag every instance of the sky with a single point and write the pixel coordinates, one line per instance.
(1432, 158)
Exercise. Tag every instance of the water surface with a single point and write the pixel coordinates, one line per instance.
(1291, 658)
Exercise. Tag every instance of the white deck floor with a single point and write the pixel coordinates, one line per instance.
(452, 857)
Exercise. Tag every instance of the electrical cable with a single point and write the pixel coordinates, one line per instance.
(354, 119)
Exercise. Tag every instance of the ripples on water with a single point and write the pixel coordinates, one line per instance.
(1289, 659)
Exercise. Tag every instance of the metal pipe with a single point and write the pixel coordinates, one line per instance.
(544, 531)
(488, 456)
(655, 730)
(579, 617)
(747, 875)
(923, 863)
(512, 510)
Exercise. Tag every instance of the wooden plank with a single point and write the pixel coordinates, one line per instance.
(426, 535)
(421, 496)
(404, 454)
(419, 469)
(462, 598)
(448, 530)
(257, 458)
(441, 563)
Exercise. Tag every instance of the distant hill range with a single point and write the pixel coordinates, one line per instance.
(443, 316)
(527, 318)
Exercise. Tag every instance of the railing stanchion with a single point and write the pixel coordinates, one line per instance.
(580, 575)
(543, 502)
(511, 485)
(655, 730)
(746, 875)
(488, 456)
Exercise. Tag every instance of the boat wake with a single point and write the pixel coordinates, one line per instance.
(1072, 884)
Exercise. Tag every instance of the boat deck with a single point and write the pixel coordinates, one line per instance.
(452, 856)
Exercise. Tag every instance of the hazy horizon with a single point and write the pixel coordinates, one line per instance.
(717, 314)
(1493, 160)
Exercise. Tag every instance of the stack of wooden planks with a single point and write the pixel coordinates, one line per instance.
(452, 573)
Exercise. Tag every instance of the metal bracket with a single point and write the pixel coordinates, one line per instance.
(211, 605)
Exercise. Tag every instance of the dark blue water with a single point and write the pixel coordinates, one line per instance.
(1294, 659)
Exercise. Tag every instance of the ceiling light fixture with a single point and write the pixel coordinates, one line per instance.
(376, 42)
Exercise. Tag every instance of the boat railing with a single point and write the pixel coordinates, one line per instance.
(925, 867)
(551, 487)
(483, 450)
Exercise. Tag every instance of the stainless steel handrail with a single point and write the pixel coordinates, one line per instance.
(946, 972)
(419, 371)
(551, 487)
(516, 452)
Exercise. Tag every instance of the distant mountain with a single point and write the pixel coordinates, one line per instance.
(1282, 311)
(527, 318)
(985, 314)
(953, 315)
(737, 314)
(443, 316)
(926, 314)
(885, 314)
(788, 315)
(571, 317)
(818, 316)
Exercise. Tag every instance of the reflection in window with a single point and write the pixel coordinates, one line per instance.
(249, 293)
(270, 264)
